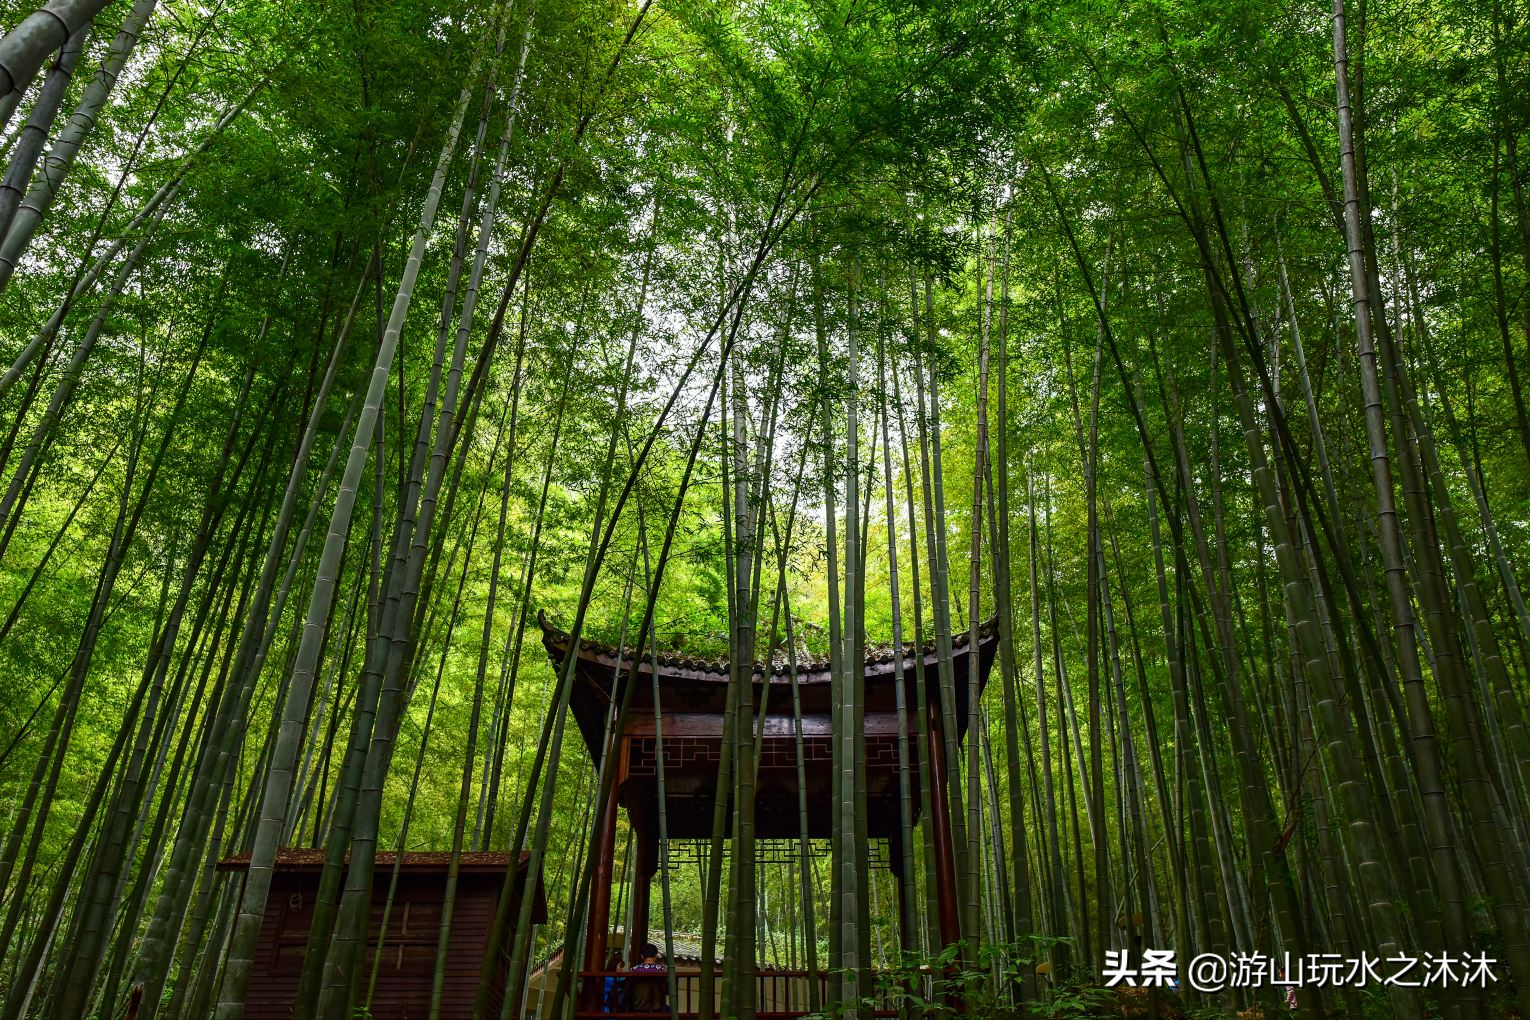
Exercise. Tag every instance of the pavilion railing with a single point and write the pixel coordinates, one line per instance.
(779, 994)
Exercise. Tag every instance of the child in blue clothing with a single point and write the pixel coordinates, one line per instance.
(615, 998)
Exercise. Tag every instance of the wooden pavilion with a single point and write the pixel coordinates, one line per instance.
(692, 698)
(408, 947)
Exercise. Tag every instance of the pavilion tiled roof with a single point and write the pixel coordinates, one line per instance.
(876, 656)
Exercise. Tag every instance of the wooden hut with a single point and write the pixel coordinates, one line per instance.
(409, 945)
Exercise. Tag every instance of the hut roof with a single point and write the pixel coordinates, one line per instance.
(312, 859)
(417, 863)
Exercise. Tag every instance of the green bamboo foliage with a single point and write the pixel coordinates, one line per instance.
(279, 776)
(49, 764)
(148, 214)
(1198, 332)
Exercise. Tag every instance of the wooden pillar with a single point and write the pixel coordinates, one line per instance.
(940, 825)
(647, 865)
(599, 924)
(906, 937)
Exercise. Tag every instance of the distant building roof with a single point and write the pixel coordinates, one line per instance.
(687, 950)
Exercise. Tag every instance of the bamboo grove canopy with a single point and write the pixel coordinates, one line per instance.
(1105, 425)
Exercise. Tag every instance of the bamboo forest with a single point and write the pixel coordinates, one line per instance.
(561, 509)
